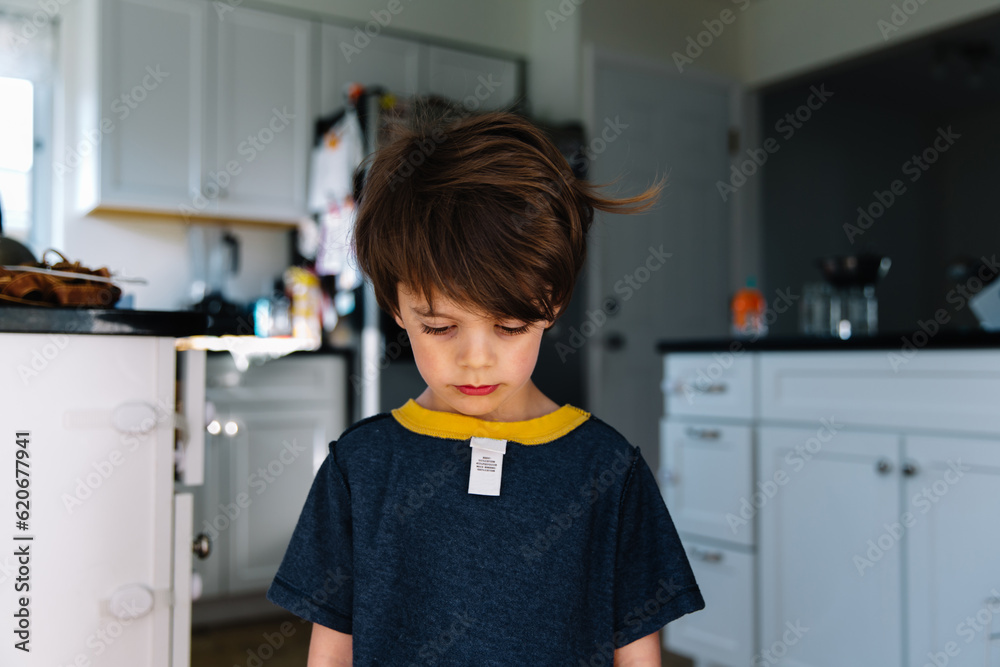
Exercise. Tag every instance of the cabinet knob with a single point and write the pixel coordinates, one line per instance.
(884, 466)
(909, 469)
(202, 546)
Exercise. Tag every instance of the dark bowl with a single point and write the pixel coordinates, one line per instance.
(854, 270)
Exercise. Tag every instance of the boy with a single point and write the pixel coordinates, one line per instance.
(481, 523)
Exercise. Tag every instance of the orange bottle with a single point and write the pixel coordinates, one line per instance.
(747, 307)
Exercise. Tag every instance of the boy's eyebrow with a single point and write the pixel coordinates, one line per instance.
(424, 311)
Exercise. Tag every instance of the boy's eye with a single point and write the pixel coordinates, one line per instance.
(509, 331)
(513, 331)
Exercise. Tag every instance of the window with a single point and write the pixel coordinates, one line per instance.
(26, 73)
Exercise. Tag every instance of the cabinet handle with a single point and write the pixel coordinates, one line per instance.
(909, 469)
(706, 555)
(703, 433)
(680, 387)
(202, 546)
(884, 466)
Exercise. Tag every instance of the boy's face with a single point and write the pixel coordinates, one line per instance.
(473, 365)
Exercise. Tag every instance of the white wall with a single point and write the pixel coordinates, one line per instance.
(782, 38)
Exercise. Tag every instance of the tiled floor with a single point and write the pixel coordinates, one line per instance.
(282, 642)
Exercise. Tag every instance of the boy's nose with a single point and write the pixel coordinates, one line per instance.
(476, 351)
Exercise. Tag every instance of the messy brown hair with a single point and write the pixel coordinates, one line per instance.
(481, 208)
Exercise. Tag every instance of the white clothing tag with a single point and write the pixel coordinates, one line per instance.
(487, 466)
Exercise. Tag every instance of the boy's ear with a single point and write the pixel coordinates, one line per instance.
(399, 321)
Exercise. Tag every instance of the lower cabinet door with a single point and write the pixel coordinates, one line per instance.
(721, 633)
(271, 472)
(953, 547)
(830, 548)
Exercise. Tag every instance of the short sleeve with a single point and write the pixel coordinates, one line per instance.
(315, 578)
(653, 580)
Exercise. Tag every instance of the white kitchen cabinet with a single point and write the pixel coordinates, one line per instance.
(479, 82)
(875, 478)
(719, 633)
(840, 490)
(108, 562)
(390, 62)
(271, 463)
(953, 546)
(719, 386)
(706, 475)
(182, 109)
(152, 67)
(263, 119)
(699, 451)
(276, 422)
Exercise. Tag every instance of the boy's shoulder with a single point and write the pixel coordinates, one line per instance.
(603, 436)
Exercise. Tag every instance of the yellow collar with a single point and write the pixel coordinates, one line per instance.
(451, 425)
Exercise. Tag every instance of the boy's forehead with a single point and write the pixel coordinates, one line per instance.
(443, 306)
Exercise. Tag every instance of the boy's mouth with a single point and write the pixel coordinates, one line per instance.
(472, 390)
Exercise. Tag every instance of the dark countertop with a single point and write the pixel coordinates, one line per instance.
(918, 339)
(105, 321)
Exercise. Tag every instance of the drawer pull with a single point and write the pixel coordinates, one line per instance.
(909, 469)
(883, 467)
(683, 388)
(706, 555)
(703, 433)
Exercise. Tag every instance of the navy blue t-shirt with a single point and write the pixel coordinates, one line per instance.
(576, 557)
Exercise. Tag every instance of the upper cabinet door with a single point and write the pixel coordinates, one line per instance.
(351, 57)
(263, 116)
(479, 82)
(150, 115)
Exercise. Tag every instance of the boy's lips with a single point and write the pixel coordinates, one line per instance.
(473, 390)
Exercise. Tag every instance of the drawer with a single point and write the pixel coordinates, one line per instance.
(706, 476)
(709, 385)
(954, 390)
(723, 632)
